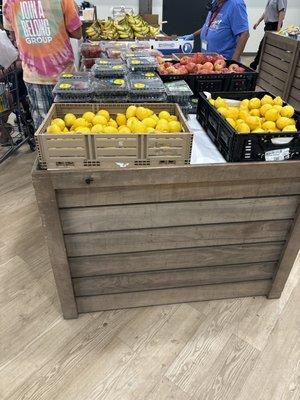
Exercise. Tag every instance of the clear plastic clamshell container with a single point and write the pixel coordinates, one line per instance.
(88, 63)
(138, 46)
(142, 63)
(80, 76)
(105, 67)
(111, 90)
(90, 50)
(178, 91)
(145, 75)
(143, 90)
(73, 91)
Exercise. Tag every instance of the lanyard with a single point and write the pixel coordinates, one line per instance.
(213, 18)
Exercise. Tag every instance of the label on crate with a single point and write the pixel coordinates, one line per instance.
(277, 155)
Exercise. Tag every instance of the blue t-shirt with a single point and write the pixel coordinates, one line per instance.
(223, 33)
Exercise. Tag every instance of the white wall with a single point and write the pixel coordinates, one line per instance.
(255, 9)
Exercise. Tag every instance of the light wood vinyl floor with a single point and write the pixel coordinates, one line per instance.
(242, 349)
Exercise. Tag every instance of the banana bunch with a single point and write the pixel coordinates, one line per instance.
(94, 31)
(140, 27)
(123, 28)
(108, 29)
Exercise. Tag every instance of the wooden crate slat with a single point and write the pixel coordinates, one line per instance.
(112, 218)
(276, 62)
(279, 53)
(277, 83)
(169, 296)
(175, 259)
(271, 70)
(89, 244)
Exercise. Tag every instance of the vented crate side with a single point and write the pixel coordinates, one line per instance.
(245, 147)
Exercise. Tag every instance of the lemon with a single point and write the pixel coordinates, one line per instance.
(272, 115)
(268, 126)
(88, 116)
(131, 112)
(110, 129)
(282, 122)
(212, 102)
(223, 111)
(138, 127)
(175, 126)
(231, 121)
(254, 103)
(263, 109)
(149, 122)
(162, 126)
(287, 111)
(239, 121)
(173, 118)
(233, 113)
(243, 128)
(245, 104)
(289, 128)
(266, 100)
(121, 119)
(278, 108)
(66, 130)
(59, 122)
(219, 102)
(130, 122)
(113, 123)
(255, 112)
(258, 130)
(292, 121)
(124, 129)
(105, 114)
(69, 120)
(155, 117)
(97, 129)
(99, 120)
(278, 101)
(53, 128)
(150, 130)
(79, 122)
(253, 122)
(164, 115)
(82, 129)
(142, 113)
(243, 114)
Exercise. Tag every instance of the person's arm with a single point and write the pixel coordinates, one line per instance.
(244, 36)
(191, 36)
(72, 20)
(281, 17)
(259, 21)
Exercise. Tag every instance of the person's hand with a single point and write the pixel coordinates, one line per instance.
(187, 37)
(255, 26)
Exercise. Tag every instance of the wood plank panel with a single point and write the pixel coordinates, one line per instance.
(270, 59)
(174, 259)
(265, 85)
(213, 173)
(111, 218)
(142, 281)
(279, 53)
(89, 244)
(281, 42)
(170, 296)
(162, 193)
(272, 70)
(274, 81)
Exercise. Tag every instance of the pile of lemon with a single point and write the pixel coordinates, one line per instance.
(134, 120)
(258, 115)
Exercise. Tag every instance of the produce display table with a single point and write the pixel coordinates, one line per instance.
(131, 238)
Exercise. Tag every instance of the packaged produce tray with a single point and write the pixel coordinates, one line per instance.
(141, 90)
(76, 76)
(87, 63)
(112, 151)
(105, 67)
(241, 81)
(74, 91)
(90, 50)
(142, 63)
(110, 90)
(247, 147)
(178, 92)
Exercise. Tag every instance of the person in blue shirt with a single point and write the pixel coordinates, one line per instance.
(226, 29)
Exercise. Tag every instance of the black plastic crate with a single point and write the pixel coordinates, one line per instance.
(242, 81)
(246, 147)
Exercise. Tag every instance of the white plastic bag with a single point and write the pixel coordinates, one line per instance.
(8, 53)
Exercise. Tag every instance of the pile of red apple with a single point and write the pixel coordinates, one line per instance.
(198, 63)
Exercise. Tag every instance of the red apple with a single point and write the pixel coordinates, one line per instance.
(168, 64)
(185, 60)
(234, 68)
(219, 65)
(171, 70)
(225, 71)
(183, 70)
(191, 67)
(199, 68)
(177, 65)
(208, 66)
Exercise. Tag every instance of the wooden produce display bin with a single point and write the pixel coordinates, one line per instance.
(279, 69)
(112, 150)
(131, 238)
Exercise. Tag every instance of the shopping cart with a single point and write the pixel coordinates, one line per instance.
(16, 128)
